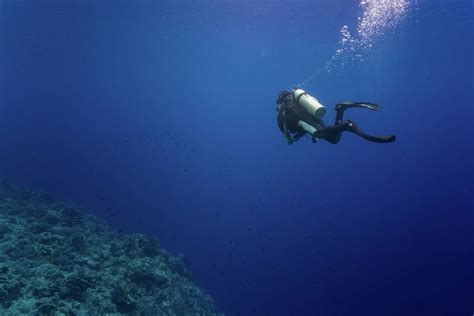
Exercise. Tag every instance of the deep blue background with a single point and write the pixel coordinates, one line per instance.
(159, 116)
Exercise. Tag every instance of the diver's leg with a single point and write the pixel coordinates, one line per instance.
(339, 115)
(307, 127)
(331, 134)
(352, 127)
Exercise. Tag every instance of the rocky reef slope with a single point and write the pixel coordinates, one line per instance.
(56, 259)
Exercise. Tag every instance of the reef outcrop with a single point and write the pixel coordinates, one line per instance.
(58, 259)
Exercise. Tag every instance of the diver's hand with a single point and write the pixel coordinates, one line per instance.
(289, 139)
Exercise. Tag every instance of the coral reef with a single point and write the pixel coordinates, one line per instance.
(57, 259)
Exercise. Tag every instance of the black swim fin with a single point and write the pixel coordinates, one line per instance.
(346, 105)
(351, 126)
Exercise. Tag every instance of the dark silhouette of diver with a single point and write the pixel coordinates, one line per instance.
(300, 114)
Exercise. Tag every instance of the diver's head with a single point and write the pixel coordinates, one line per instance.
(282, 96)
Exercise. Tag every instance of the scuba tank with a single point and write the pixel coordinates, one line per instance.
(308, 128)
(309, 103)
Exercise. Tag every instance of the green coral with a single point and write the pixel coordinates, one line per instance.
(10, 288)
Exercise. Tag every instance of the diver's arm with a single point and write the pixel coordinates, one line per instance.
(298, 135)
(281, 120)
(287, 134)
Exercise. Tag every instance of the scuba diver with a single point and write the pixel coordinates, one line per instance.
(300, 114)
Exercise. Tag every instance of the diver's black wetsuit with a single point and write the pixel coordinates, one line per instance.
(289, 113)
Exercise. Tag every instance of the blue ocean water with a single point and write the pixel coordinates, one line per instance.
(159, 116)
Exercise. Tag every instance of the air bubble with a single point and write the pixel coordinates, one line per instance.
(375, 19)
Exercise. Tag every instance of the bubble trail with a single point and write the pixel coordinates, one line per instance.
(376, 18)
